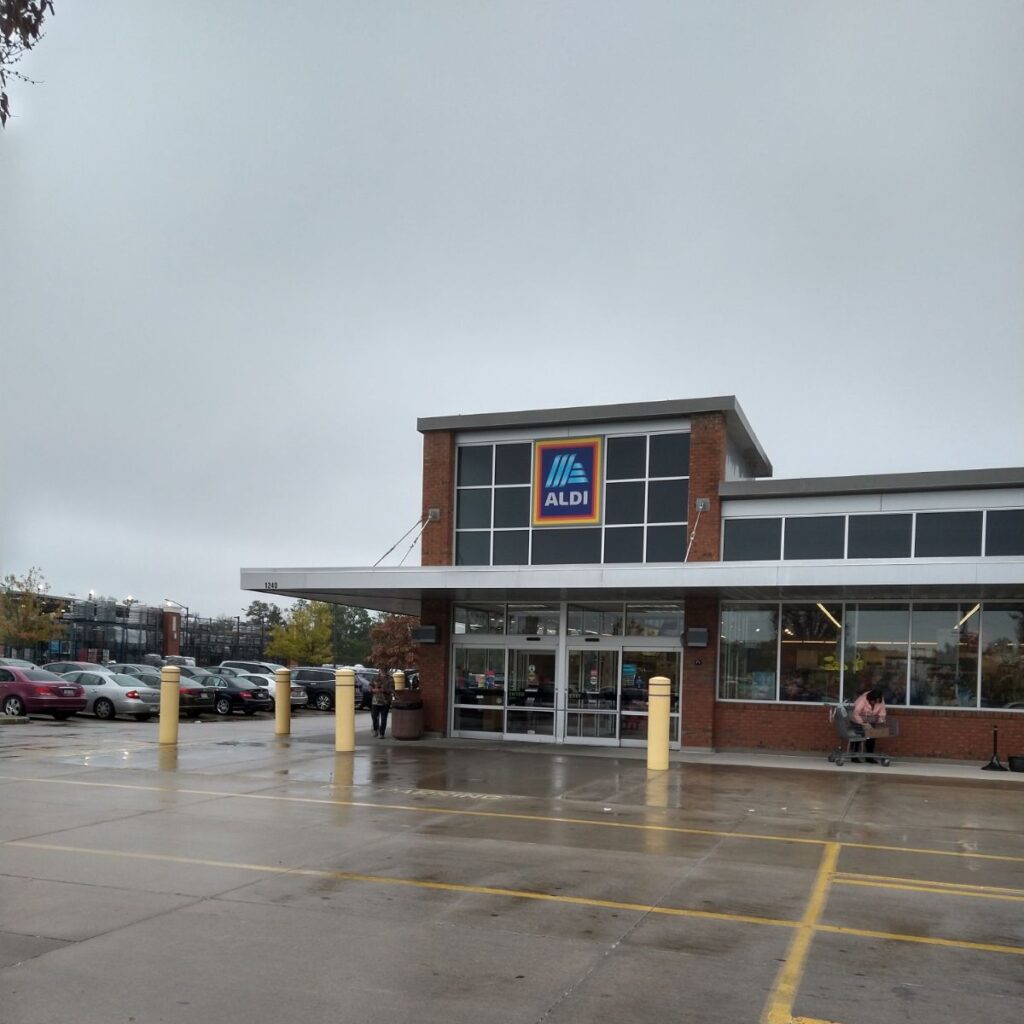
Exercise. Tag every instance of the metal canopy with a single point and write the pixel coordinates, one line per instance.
(403, 589)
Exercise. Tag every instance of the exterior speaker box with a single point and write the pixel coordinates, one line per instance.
(424, 634)
(697, 637)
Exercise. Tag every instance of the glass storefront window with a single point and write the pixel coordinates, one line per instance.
(810, 654)
(664, 620)
(595, 620)
(479, 689)
(531, 693)
(533, 620)
(748, 650)
(479, 618)
(1002, 656)
(944, 655)
(876, 650)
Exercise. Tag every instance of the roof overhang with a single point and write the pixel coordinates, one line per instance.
(404, 588)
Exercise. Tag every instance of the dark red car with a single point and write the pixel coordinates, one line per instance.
(34, 691)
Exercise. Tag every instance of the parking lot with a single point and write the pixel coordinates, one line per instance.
(241, 877)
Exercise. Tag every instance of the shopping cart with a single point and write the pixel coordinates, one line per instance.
(839, 715)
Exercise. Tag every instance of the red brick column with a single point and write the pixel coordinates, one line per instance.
(434, 668)
(707, 470)
(439, 492)
(698, 698)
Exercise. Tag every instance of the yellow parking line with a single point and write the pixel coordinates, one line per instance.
(510, 816)
(779, 1008)
(927, 940)
(940, 888)
(352, 876)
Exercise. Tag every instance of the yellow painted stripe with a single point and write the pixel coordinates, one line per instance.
(927, 940)
(779, 1008)
(510, 816)
(939, 889)
(352, 876)
(929, 881)
(967, 854)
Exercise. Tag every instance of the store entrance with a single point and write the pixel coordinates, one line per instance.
(531, 694)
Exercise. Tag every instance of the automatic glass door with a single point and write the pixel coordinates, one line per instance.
(592, 697)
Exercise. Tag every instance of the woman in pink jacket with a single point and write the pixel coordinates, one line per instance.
(868, 709)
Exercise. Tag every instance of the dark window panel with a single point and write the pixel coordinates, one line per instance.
(752, 540)
(475, 465)
(512, 506)
(567, 546)
(947, 534)
(624, 544)
(627, 458)
(666, 543)
(473, 509)
(882, 536)
(472, 548)
(666, 501)
(1004, 532)
(512, 463)
(670, 455)
(815, 536)
(511, 547)
(624, 503)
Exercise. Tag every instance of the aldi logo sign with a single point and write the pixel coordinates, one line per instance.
(567, 482)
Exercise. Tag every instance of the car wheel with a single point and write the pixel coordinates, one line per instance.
(103, 708)
(223, 706)
(62, 716)
(14, 706)
(143, 718)
(323, 702)
(273, 705)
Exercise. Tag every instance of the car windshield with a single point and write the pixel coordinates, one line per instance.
(128, 682)
(40, 675)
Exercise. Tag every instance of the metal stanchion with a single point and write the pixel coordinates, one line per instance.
(659, 702)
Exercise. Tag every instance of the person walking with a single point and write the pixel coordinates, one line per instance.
(380, 705)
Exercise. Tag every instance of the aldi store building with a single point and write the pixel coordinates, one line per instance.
(569, 555)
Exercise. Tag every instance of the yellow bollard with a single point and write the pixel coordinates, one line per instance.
(399, 680)
(170, 700)
(344, 711)
(282, 702)
(659, 702)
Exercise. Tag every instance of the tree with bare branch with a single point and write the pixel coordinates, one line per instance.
(21, 27)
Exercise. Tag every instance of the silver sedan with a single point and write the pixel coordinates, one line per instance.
(110, 694)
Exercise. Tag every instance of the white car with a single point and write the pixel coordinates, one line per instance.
(299, 696)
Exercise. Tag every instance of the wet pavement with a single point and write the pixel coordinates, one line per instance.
(240, 877)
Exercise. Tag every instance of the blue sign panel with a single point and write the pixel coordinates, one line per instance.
(567, 482)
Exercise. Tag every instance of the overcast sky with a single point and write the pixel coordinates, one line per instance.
(246, 244)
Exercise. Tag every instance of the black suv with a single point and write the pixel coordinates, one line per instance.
(319, 684)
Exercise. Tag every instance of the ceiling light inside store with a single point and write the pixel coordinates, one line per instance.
(828, 615)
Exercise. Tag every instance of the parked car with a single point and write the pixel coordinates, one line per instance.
(35, 691)
(18, 663)
(194, 672)
(195, 696)
(260, 668)
(146, 672)
(108, 696)
(319, 684)
(63, 667)
(299, 696)
(237, 693)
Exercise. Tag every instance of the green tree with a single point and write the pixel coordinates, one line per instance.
(351, 634)
(21, 27)
(392, 642)
(27, 616)
(261, 613)
(305, 639)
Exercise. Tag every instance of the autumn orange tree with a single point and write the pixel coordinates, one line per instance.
(21, 27)
(391, 643)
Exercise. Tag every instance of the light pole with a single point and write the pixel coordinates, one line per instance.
(128, 602)
(184, 634)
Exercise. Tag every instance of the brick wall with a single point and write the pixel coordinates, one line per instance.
(956, 735)
(708, 445)
(698, 697)
(434, 668)
(439, 492)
